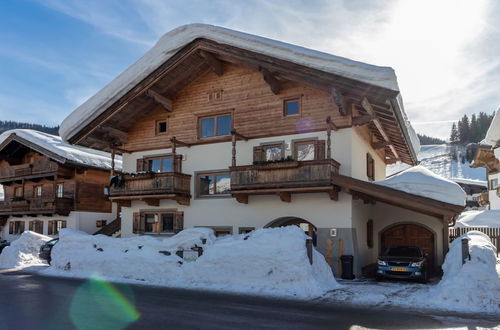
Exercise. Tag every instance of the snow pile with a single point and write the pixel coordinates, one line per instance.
(486, 218)
(24, 251)
(55, 144)
(271, 261)
(420, 181)
(474, 286)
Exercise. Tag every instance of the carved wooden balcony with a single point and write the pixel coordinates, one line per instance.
(284, 178)
(151, 187)
(35, 170)
(60, 206)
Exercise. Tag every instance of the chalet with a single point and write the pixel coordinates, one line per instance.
(488, 156)
(49, 185)
(233, 131)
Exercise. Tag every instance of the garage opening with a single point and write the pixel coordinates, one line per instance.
(410, 234)
(305, 225)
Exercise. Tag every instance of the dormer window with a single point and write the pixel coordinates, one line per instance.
(161, 127)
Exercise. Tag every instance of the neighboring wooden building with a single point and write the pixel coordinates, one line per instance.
(232, 131)
(49, 185)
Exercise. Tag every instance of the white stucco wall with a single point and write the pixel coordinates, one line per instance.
(358, 160)
(492, 194)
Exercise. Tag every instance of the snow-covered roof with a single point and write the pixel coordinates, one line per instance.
(176, 39)
(485, 218)
(473, 182)
(420, 181)
(492, 137)
(55, 145)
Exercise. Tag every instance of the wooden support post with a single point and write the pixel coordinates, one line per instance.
(241, 198)
(233, 159)
(328, 139)
(174, 158)
(113, 162)
(285, 197)
(151, 201)
(271, 80)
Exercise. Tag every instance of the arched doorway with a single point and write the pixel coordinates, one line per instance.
(410, 234)
(303, 224)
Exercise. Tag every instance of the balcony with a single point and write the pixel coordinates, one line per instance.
(151, 187)
(61, 206)
(284, 179)
(38, 169)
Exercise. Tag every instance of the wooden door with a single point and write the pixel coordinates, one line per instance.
(410, 234)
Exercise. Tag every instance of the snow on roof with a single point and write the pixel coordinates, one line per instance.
(420, 181)
(492, 137)
(485, 218)
(173, 41)
(481, 183)
(75, 154)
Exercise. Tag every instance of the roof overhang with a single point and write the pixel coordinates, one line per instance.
(14, 138)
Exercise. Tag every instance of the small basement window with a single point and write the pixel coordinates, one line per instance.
(161, 127)
(291, 107)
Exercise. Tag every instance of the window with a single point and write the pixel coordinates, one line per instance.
(210, 184)
(55, 226)
(60, 190)
(161, 127)
(37, 191)
(305, 150)
(16, 227)
(291, 107)
(215, 95)
(273, 152)
(36, 226)
(215, 126)
(493, 184)
(245, 230)
(18, 192)
(161, 164)
(370, 167)
(166, 222)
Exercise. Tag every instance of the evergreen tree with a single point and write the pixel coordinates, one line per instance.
(454, 139)
(464, 130)
(473, 134)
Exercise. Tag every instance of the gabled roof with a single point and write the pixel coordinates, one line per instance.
(55, 148)
(492, 137)
(381, 79)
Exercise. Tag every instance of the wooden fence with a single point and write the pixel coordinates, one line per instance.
(492, 233)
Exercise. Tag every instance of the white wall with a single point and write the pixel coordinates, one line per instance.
(358, 161)
(492, 194)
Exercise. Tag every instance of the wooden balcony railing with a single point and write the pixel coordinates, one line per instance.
(35, 169)
(284, 178)
(153, 186)
(61, 206)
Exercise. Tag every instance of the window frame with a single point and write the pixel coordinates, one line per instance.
(38, 191)
(157, 127)
(493, 186)
(21, 189)
(245, 230)
(54, 225)
(297, 99)
(271, 144)
(213, 173)
(147, 159)
(33, 224)
(158, 214)
(216, 229)
(215, 116)
(60, 193)
(295, 143)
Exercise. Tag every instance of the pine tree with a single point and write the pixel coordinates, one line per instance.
(473, 135)
(464, 130)
(454, 134)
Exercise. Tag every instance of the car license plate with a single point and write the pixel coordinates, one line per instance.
(399, 269)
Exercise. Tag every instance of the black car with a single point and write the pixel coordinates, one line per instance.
(403, 262)
(3, 244)
(46, 250)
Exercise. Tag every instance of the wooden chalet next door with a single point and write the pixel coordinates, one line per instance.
(410, 234)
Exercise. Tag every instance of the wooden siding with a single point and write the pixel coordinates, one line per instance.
(257, 112)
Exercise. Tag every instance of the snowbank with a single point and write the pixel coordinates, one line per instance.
(420, 181)
(486, 218)
(474, 286)
(271, 261)
(24, 251)
(55, 144)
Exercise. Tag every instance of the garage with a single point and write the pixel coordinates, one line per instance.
(410, 234)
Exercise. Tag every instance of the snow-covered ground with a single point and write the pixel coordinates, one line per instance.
(23, 252)
(271, 261)
(437, 158)
(485, 218)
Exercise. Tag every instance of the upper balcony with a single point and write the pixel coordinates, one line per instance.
(284, 179)
(61, 206)
(151, 187)
(34, 170)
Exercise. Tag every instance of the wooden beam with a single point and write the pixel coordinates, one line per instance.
(379, 145)
(241, 198)
(238, 135)
(362, 120)
(271, 80)
(369, 109)
(180, 143)
(330, 124)
(151, 201)
(166, 103)
(338, 99)
(285, 197)
(214, 63)
(182, 200)
(120, 135)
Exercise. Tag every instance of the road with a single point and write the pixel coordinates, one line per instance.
(29, 301)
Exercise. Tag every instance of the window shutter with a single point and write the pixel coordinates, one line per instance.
(137, 223)
(319, 149)
(140, 165)
(21, 227)
(63, 224)
(178, 160)
(370, 167)
(31, 225)
(258, 154)
(50, 229)
(11, 228)
(178, 222)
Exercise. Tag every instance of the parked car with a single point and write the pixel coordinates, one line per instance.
(402, 262)
(3, 244)
(46, 250)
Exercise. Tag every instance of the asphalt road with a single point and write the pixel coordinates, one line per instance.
(37, 302)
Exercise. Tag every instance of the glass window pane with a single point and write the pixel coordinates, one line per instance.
(167, 165)
(167, 221)
(207, 127)
(154, 165)
(273, 153)
(223, 125)
(291, 108)
(223, 183)
(305, 151)
(207, 185)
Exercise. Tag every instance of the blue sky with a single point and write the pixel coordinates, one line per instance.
(57, 53)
